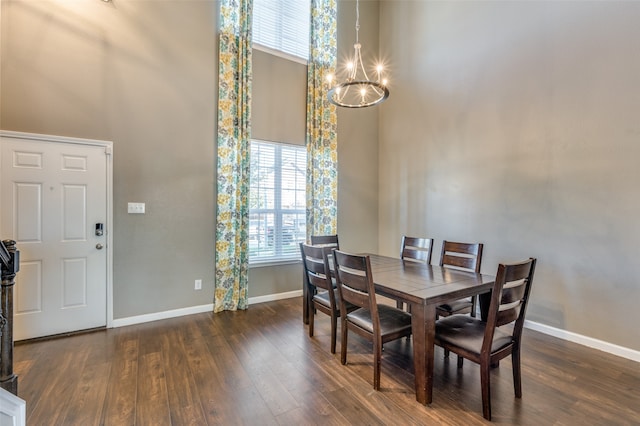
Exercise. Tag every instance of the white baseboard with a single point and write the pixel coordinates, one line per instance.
(611, 348)
(542, 328)
(139, 319)
(273, 297)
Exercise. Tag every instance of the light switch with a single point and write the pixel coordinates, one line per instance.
(135, 208)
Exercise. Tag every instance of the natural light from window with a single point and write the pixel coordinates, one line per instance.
(277, 201)
(283, 26)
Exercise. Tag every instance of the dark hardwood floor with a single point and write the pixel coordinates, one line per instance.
(259, 367)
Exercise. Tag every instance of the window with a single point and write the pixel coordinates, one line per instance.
(283, 25)
(277, 201)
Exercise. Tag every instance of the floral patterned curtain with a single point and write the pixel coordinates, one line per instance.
(234, 133)
(322, 139)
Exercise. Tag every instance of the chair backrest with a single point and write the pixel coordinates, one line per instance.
(325, 240)
(507, 302)
(315, 263)
(355, 281)
(462, 256)
(416, 249)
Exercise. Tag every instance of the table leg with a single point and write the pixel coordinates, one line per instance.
(423, 328)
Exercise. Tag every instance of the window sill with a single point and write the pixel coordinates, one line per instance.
(267, 263)
(280, 54)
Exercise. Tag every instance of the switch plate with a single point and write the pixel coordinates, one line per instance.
(135, 208)
(198, 285)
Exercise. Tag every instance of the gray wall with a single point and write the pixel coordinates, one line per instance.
(143, 73)
(516, 124)
(358, 139)
(510, 123)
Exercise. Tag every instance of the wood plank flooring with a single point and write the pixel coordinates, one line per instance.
(259, 367)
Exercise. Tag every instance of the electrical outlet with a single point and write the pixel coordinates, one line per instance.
(198, 285)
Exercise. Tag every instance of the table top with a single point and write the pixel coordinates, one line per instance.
(419, 283)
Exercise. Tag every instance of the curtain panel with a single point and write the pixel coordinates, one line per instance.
(321, 137)
(234, 134)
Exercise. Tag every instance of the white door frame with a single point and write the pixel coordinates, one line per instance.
(108, 147)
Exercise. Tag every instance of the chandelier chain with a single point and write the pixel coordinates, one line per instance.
(357, 20)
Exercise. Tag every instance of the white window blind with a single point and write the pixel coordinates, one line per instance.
(283, 25)
(277, 201)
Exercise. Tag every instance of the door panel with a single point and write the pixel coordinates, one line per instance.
(52, 195)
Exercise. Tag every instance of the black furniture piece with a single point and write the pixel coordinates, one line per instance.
(484, 340)
(377, 322)
(462, 257)
(324, 296)
(10, 264)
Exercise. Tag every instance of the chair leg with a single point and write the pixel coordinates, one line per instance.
(486, 390)
(312, 314)
(473, 306)
(460, 361)
(446, 353)
(517, 378)
(334, 326)
(343, 344)
(400, 305)
(377, 357)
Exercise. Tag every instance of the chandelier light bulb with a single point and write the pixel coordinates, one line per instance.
(367, 92)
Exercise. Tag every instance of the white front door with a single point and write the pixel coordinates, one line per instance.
(52, 195)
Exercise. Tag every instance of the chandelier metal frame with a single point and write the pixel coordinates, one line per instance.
(358, 91)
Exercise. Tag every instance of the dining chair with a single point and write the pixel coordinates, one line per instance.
(324, 296)
(318, 240)
(415, 249)
(462, 257)
(484, 340)
(325, 240)
(378, 323)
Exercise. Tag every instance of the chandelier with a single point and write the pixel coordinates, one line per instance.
(357, 90)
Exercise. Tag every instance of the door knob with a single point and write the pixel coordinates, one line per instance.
(99, 246)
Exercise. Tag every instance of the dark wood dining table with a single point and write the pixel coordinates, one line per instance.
(424, 287)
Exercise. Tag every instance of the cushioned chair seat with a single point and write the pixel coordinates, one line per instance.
(323, 298)
(467, 333)
(392, 320)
